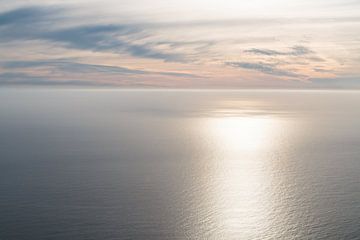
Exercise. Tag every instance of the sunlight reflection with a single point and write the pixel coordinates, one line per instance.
(244, 146)
(243, 134)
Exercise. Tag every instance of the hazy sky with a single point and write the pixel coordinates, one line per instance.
(187, 43)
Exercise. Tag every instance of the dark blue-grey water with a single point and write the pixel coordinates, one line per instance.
(117, 164)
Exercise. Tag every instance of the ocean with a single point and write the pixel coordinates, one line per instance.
(179, 164)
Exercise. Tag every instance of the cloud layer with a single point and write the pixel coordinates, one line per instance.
(73, 44)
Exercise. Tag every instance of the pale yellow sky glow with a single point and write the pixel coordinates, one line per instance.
(185, 44)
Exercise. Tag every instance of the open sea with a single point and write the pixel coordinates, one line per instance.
(178, 164)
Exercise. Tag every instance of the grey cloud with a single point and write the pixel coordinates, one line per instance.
(107, 38)
(26, 23)
(145, 51)
(21, 79)
(321, 70)
(265, 68)
(316, 59)
(74, 67)
(294, 51)
(70, 67)
(299, 50)
(267, 52)
(25, 15)
(86, 37)
(38, 23)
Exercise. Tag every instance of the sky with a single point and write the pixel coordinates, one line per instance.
(181, 44)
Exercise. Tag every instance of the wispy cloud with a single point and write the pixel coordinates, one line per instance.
(26, 15)
(67, 66)
(36, 23)
(21, 79)
(265, 68)
(297, 50)
(72, 42)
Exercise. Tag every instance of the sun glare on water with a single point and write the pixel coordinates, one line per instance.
(244, 147)
(243, 134)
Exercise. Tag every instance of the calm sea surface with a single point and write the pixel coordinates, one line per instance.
(117, 164)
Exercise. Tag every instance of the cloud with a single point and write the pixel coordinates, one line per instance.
(70, 67)
(265, 68)
(322, 70)
(25, 15)
(21, 79)
(267, 52)
(52, 32)
(75, 67)
(107, 38)
(36, 23)
(297, 50)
